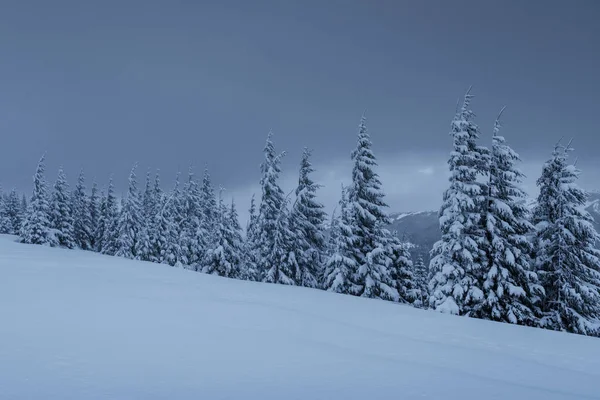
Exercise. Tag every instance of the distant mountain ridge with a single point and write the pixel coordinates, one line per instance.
(422, 230)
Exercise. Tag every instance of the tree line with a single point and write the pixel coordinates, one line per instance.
(495, 260)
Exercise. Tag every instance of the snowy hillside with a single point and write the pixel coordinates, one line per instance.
(78, 325)
(422, 227)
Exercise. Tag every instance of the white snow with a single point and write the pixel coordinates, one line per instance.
(79, 325)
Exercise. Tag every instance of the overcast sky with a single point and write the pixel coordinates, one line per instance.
(102, 84)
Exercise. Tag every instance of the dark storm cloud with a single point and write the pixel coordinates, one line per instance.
(103, 84)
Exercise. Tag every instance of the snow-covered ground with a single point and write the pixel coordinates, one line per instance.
(77, 325)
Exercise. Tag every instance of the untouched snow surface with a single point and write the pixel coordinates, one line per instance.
(78, 325)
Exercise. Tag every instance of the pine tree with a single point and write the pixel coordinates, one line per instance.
(223, 258)
(371, 277)
(510, 289)
(101, 226)
(36, 225)
(307, 220)
(13, 212)
(153, 201)
(272, 219)
(168, 245)
(280, 260)
(61, 212)
(401, 270)
(567, 261)
(208, 209)
(421, 281)
(143, 249)
(130, 220)
(94, 205)
(458, 261)
(110, 238)
(251, 244)
(237, 243)
(82, 225)
(24, 207)
(5, 223)
(193, 237)
(340, 263)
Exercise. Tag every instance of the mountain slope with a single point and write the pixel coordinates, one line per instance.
(422, 228)
(80, 325)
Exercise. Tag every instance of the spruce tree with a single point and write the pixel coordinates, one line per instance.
(401, 270)
(371, 277)
(24, 207)
(143, 246)
(510, 288)
(82, 225)
(341, 263)
(566, 259)
(110, 238)
(272, 218)
(193, 237)
(458, 261)
(61, 212)
(5, 223)
(130, 221)
(223, 257)
(101, 225)
(94, 205)
(13, 212)
(169, 242)
(237, 243)
(208, 208)
(153, 209)
(421, 281)
(36, 227)
(280, 260)
(307, 220)
(251, 243)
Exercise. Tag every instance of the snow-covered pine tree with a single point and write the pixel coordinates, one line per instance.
(110, 238)
(94, 205)
(24, 206)
(223, 258)
(143, 246)
(341, 264)
(237, 243)
(169, 242)
(5, 225)
(251, 243)
(401, 270)
(510, 288)
(271, 218)
(36, 224)
(208, 207)
(61, 212)
(307, 221)
(100, 227)
(130, 220)
(153, 207)
(280, 260)
(371, 277)
(458, 261)
(164, 239)
(421, 281)
(193, 238)
(566, 259)
(148, 206)
(82, 226)
(13, 212)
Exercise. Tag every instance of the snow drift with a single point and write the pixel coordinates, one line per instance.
(79, 325)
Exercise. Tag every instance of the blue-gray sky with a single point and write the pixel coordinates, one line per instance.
(102, 84)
